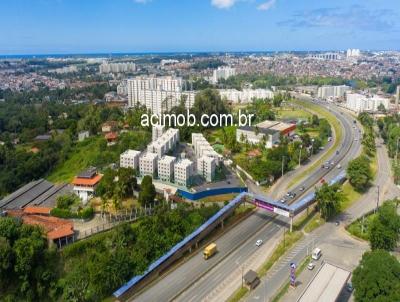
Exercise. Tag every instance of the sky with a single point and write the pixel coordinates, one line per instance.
(112, 26)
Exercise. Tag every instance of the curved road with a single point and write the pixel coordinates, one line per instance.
(195, 278)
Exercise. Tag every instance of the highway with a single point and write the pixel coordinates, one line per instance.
(238, 243)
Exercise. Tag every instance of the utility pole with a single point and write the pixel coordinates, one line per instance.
(283, 160)
(397, 149)
(377, 199)
(301, 147)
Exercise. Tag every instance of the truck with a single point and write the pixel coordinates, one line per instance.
(209, 250)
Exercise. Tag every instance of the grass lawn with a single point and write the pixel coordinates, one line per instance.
(291, 113)
(218, 198)
(337, 130)
(357, 229)
(351, 195)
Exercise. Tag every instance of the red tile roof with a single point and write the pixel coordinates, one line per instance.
(78, 181)
(37, 210)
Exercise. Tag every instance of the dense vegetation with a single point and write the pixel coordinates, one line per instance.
(28, 268)
(389, 128)
(359, 169)
(377, 278)
(92, 269)
(329, 199)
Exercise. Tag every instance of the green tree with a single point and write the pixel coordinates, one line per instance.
(329, 199)
(147, 191)
(385, 228)
(377, 278)
(359, 173)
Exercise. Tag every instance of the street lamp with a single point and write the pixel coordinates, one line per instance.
(283, 160)
(241, 268)
(301, 147)
(397, 149)
(377, 199)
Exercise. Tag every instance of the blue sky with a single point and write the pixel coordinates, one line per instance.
(82, 26)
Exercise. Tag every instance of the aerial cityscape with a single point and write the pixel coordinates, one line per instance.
(210, 150)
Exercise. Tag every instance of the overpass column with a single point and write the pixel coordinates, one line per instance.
(222, 224)
(291, 224)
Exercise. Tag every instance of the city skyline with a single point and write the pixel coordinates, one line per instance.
(158, 26)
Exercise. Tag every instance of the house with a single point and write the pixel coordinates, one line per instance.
(109, 126)
(111, 138)
(58, 231)
(35, 150)
(85, 184)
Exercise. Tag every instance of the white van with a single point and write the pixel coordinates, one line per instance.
(316, 254)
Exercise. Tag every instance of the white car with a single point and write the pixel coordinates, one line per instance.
(259, 242)
(311, 266)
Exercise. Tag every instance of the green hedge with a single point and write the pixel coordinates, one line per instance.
(86, 213)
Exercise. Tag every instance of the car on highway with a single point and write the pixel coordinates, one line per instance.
(337, 152)
(311, 266)
(356, 139)
(283, 200)
(339, 166)
(259, 242)
(301, 188)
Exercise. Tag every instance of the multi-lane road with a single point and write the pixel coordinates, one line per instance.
(195, 278)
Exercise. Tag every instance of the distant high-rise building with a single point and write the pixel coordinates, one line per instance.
(159, 94)
(222, 73)
(351, 53)
(328, 91)
(117, 67)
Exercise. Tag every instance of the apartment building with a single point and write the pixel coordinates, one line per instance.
(158, 94)
(206, 167)
(360, 102)
(148, 164)
(117, 67)
(328, 91)
(183, 172)
(166, 142)
(157, 131)
(222, 73)
(202, 147)
(166, 168)
(129, 159)
(246, 95)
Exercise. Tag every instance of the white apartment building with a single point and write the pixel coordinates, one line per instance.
(328, 91)
(166, 142)
(122, 88)
(129, 159)
(158, 94)
(360, 103)
(166, 168)
(148, 164)
(202, 147)
(117, 67)
(246, 95)
(157, 131)
(183, 172)
(353, 53)
(206, 167)
(223, 72)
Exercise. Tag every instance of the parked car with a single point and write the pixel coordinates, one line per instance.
(259, 242)
(311, 266)
(349, 287)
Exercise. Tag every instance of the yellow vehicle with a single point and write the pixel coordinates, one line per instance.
(210, 250)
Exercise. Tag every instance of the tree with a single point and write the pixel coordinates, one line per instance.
(315, 120)
(385, 228)
(359, 173)
(127, 181)
(148, 191)
(329, 199)
(377, 278)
